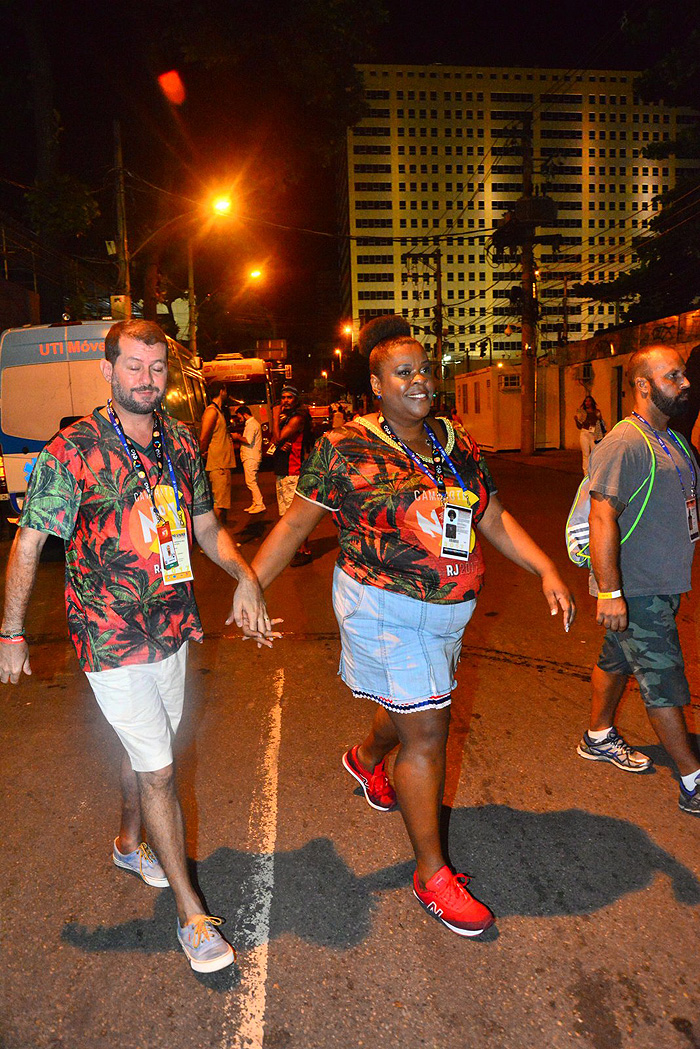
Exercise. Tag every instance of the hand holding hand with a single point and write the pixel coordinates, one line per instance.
(250, 614)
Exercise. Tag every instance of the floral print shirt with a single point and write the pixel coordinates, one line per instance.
(84, 490)
(389, 512)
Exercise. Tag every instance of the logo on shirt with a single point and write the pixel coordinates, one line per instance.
(424, 519)
(142, 522)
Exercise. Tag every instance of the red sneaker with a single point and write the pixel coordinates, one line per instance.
(445, 897)
(378, 791)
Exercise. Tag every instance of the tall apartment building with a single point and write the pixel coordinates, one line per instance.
(437, 162)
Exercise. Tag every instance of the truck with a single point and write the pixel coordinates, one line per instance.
(50, 376)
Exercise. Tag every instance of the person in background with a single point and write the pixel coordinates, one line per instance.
(409, 493)
(455, 417)
(337, 416)
(215, 444)
(291, 437)
(589, 421)
(250, 447)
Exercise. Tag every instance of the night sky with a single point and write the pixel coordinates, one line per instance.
(105, 58)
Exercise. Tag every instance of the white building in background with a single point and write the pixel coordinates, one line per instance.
(436, 162)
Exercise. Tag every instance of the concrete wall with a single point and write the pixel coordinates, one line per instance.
(595, 366)
(598, 366)
(490, 407)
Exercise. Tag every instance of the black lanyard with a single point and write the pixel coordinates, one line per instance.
(439, 456)
(137, 463)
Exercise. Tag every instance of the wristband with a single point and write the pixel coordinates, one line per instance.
(18, 639)
(609, 595)
(11, 633)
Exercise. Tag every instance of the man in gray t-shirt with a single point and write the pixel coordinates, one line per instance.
(639, 582)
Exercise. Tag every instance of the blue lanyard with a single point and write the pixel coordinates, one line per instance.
(439, 456)
(671, 434)
(136, 461)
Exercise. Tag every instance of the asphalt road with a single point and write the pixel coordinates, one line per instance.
(594, 874)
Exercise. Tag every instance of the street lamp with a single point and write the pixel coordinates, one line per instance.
(339, 354)
(220, 206)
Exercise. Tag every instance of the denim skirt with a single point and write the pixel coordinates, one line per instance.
(396, 650)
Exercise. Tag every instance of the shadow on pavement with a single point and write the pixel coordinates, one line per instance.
(558, 863)
(527, 864)
(251, 530)
(660, 756)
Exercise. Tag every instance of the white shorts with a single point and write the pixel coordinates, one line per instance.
(143, 704)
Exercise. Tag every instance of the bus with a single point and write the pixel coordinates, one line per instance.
(50, 376)
(251, 381)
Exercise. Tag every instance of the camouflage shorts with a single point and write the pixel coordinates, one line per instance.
(651, 650)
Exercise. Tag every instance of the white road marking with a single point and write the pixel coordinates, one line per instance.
(244, 1012)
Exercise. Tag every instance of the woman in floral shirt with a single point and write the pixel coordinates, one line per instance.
(406, 492)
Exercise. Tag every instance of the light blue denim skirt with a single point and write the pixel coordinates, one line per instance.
(396, 650)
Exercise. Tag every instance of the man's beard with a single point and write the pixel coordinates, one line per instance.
(670, 406)
(129, 402)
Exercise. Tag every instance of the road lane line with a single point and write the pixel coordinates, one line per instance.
(244, 1010)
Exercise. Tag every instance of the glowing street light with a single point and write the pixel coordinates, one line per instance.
(255, 274)
(347, 329)
(221, 205)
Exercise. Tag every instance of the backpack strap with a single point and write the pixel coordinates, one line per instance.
(649, 479)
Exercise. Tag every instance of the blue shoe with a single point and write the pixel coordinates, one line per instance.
(689, 800)
(143, 863)
(206, 948)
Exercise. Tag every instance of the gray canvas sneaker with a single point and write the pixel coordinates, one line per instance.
(143, 863)
(206, 948)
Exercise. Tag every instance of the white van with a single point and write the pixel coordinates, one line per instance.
(50, 376)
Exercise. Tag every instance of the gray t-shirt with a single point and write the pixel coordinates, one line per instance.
(657, 557)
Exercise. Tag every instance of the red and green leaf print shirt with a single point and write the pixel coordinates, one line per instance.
(389, 512)
(84, 490)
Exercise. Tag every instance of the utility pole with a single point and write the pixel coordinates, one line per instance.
(124, 277)
(565, 313)
(517, 232)
(437, 255)
(529, 303)
(434, 259)
(192, 301)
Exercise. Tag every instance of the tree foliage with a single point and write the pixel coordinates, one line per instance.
(61, 206)
(666, 280)
(303, 55)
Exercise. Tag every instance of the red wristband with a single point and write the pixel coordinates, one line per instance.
(13, 640)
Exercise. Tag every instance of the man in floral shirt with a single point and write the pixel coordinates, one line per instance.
(125, 489)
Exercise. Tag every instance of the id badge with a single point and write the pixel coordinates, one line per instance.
(456, 528)
(168, 554)
(691, 509)
(175, 565)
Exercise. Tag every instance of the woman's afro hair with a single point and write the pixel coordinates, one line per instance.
(382, 329)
